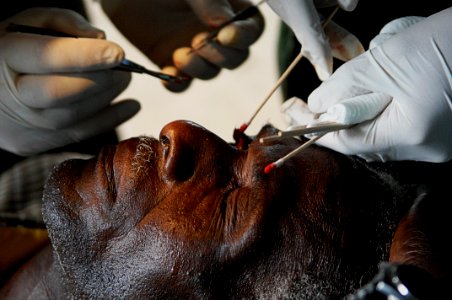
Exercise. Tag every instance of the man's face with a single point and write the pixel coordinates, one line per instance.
(190, 214)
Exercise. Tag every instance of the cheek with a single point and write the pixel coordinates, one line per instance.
(186, 215)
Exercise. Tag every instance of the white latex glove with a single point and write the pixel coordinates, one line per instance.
(302, 17)
(55, 91)
(411, 69)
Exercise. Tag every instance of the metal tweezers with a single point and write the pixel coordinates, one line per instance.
(318, 128)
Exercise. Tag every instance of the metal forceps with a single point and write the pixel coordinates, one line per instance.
(240, 15)
(125, 65)
(318, 130)
(128, 65)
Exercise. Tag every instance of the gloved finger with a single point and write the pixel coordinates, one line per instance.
(63, 116)
(215, 13)
(43, 140)
(212, 13)
(392, 28)
(343, 84)
(47, 91)
(344, 45)
(347, 5)
(31, 53)
(303, 19)
(316, 49)
(296, 112)
(241, 34)
(351, 141)
(194, 65)
(63, 20)
(371, 139)
(357, 109)
(218, 55)
(363, 140)
(108, 119)
(176, 86)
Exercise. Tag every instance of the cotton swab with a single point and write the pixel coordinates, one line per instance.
(321, 129)
(278, 83)
(270, 167)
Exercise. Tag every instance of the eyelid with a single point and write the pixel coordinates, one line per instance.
(244, 172)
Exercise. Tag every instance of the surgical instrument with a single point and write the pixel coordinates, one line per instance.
(125, 65)
(319, 130)
(305, 129)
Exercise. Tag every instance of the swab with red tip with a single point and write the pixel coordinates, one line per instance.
(270, 167)
(272, 91)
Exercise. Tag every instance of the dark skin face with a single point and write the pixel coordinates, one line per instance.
(190, 215)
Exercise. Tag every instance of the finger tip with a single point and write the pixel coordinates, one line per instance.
(193, 65)
(227, 35)
(322, 72)
(134, 106)
(176, 86)
(126, 109)
(183, 56)
(322, 61)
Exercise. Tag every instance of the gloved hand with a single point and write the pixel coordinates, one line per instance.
(55, 91)
(412, 70)
(164, 30)
(302, 17)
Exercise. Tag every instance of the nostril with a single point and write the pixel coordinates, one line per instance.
(165, 142)
(242, 141)
(179, 158)
(182, 166)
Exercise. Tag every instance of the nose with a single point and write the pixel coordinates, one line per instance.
(190, 150)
